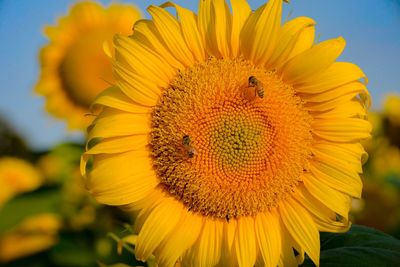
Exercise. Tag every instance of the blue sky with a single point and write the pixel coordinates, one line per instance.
(370, 27)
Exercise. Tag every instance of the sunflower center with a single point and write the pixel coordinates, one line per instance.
(82, 79)
(226, 145)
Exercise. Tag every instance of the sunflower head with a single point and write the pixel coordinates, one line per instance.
(74, 66)
(231, 129)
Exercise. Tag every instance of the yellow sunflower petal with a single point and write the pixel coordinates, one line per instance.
(268, 237)
(120, 125)
(142, 60)
(335, 200)
(140, 90)
(244, 244)
(170, 31)
(119, 145)
(206, 27)
(179, 240)
(240, 12)
(229, 233)
(301, 227)
(350, 109)
(214, 22)
(114, 98)
(334, 176)
(146, 207)
(304, 41)
(260, 32)
(204, 24)
(289, 37)
(300, 252)
(207, 250)
(337, 96)
(161, 221)
(341, 164)
(334, 93)
(101, 167)
(116, 189)
(332, 130)
(221, 26)
(338, 74)
(350, 153)
(313, 61)
(140, 205)
(323, 216)
(287, 257)
(146, 32)
(190, 31)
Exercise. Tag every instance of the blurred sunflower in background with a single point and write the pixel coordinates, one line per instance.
(236, 139)
(74, 66)
(379, 206)
(391, 109)
(46, 216)
(17, 176)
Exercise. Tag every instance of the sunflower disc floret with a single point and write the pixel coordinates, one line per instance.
(248, 153)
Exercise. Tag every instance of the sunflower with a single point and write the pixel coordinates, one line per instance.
(74, 67)
(391, 109)
(17, 176)
(235, 139)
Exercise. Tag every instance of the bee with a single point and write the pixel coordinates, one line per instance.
(258, 86)
(189, 149)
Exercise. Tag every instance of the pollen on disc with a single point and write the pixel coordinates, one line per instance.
(221, 149)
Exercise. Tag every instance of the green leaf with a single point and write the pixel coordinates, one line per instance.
(361, 246)
(26, 205)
